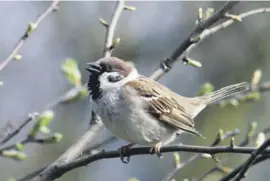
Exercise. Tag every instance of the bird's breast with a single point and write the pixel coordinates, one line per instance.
(127, 119)
(114, 113)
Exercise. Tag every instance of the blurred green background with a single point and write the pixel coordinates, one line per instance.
(148, 35)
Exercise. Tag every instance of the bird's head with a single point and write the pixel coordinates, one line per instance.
(107, 74)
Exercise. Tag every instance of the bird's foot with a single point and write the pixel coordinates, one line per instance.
(123, 150)
(156, 150)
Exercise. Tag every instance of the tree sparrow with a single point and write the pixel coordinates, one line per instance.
(142, 111)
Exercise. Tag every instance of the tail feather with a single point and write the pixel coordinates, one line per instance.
(225, 92)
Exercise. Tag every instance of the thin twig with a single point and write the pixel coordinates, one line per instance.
(241, 144)
(89, 151)
(28, 32)
(180, 52)
(251, 160)
(219, 138)
(18, 129)
(71, 154)
(227, 23)
(27, 141)
(111, 28)
(237, 169)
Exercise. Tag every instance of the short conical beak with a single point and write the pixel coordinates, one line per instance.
(93, 67)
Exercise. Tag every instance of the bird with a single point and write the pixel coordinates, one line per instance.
(140, 110)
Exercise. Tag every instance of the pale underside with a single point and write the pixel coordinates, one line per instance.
(143, 116)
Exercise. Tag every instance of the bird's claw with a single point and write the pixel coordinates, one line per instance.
(122, 151)
(156, 150)
(125, 159)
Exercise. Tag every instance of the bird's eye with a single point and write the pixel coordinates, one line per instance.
(110, 68)
(116, 78)
(107, 67)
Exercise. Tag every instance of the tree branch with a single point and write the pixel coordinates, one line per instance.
(179, 53)
(62, 168)
(31, 27)
(111, 28)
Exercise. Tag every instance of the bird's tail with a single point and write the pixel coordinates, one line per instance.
(197, 104)
(224, 93)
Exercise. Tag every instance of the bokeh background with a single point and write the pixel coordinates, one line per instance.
(148, 35)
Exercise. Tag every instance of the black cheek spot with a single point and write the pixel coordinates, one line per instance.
(114, 78)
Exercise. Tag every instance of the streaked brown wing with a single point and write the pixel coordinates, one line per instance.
(163, 104)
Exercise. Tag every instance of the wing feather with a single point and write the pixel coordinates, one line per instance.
(163, 104)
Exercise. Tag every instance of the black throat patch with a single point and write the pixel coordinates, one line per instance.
(94, 85)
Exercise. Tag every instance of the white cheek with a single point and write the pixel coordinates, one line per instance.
(106, 85)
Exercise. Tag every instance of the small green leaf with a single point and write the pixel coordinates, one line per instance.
(45, 118)
(234, 102)
(21, 156)
(17, 57)
(252, 96)
(233, 17)
(260, 139)
(133, 179)
(41, 123)
(71, 71)
(57, 137)
(103, 22)
(256, 77)
(220, 134)
(232, 142)
(206, 88)
(192, 62)
(130, 8)
(252, 128)
(115, 43)
(44, 129)
(19, 146)
(176, 160)
(14, 154)
(11, 179)
(229, 102)
(209, 12)
(206, 155)
(30, 28)
(200, 14)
